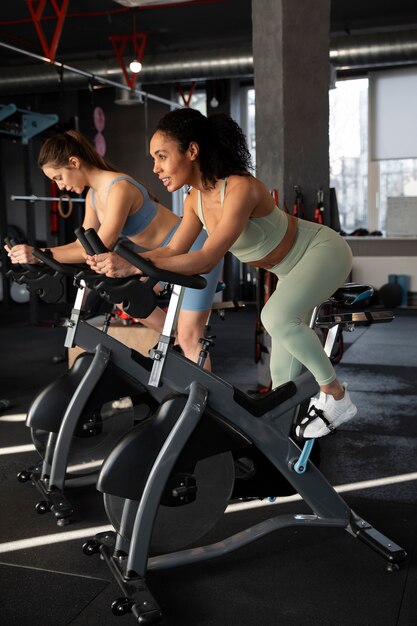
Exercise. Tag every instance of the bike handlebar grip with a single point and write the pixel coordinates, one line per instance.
(149, 269)
(63, 268)
(95, 241)
(80, 234)
(11, 242)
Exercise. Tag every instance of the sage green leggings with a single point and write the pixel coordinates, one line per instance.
(317, 265)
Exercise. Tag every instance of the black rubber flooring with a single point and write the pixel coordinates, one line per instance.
(294, 577)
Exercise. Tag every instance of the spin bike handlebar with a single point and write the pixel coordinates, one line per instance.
(31, 267)
(40, 280)
(149, 269)
(90, 240)
(93, 240)
(137, 296)
(138, 300)
(80, 234)
(68, 269)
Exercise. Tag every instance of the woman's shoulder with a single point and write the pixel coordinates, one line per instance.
(121, 177)
(125, 182)
(247, 184)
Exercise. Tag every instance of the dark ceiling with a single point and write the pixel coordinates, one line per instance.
(202, 24)
(90, 23)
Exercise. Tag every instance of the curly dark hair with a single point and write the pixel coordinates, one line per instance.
(222, 143)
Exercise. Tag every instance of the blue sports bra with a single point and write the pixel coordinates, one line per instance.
(137, 222)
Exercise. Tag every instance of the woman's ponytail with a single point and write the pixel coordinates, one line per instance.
(230, 151)
(57, 150)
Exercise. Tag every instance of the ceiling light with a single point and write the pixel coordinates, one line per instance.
(135, 67)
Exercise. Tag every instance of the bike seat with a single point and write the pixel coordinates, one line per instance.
(258, 406)
(351, 293)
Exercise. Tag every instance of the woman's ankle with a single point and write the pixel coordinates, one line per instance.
(335, 389)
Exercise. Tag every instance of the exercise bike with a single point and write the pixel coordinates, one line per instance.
(154, 486)
(70, 428)
(76, 419)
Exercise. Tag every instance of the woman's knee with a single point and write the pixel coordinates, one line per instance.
(281, 327)
(191, 326)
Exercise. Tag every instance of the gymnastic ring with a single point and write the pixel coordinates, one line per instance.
(62, 213)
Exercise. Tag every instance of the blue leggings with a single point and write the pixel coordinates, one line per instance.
(199, 299)
(317, 265)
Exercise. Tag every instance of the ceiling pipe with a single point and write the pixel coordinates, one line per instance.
(374, 50)
(158, 69)
(347, 53)
(90, 80)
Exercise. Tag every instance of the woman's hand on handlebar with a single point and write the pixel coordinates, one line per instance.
(112, 265)
(21, 254)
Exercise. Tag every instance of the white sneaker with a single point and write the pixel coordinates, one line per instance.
(325, 414)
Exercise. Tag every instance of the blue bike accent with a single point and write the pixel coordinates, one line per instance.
(364, 296)
(301, 465)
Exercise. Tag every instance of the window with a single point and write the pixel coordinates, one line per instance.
(250, 124)
(242, 110)
(352, 173)
(397, 177)
(348, 151)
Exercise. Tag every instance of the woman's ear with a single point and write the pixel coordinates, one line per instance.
(194, 150)
(74, 162)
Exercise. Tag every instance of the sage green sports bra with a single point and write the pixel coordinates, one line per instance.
(260, 236)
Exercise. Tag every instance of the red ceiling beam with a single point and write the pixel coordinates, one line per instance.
(186, 98)
(119, 42)
(36, 9)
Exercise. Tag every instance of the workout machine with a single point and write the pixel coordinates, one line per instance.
(16, 123)
(169, 479)
(76, 419)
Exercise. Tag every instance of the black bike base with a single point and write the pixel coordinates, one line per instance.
(136, 599)
(54, 501)
(387, 548)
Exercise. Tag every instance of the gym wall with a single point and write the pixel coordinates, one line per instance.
(127, 132)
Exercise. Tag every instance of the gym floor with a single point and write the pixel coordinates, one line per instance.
(293, 577)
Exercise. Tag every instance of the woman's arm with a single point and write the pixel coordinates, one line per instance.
(242, 197)
(184, 237)
(113, 265)
(69, 253)
(122, 195)
(73, 252)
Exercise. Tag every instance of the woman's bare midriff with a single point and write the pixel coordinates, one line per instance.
(158, 230)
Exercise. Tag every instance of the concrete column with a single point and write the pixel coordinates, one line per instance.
(292, 71)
